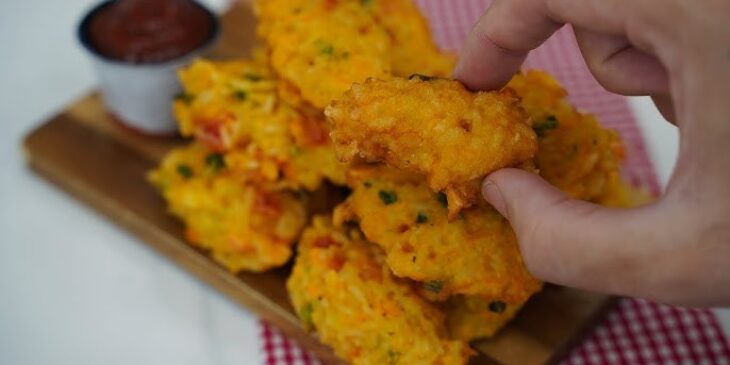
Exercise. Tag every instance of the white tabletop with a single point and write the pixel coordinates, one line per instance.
(76, 289)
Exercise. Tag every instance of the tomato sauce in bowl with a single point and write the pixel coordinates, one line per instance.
(147, 31)
(136, 48)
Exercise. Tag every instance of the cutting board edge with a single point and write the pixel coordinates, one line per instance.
(185, 257)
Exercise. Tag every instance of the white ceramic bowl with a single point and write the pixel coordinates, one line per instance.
(140, 94)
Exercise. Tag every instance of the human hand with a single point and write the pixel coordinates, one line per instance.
(676, 250)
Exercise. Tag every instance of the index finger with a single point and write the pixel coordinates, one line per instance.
(499, 42)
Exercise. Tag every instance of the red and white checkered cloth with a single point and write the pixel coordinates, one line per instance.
(636, 331)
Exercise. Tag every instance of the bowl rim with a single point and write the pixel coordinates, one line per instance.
(82, 33)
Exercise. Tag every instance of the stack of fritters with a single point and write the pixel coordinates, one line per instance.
(241, 186)
(413, 264)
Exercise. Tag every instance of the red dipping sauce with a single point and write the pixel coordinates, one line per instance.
(149, 31)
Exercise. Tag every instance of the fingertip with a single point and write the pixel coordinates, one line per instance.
(514, 178)
(519, 195)
(509, 190)
(499, 42)
(483, 65)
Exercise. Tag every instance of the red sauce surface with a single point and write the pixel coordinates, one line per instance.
(149, 31)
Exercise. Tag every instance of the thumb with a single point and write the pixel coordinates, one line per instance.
(573, 242)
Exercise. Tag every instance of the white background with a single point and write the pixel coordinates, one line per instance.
(75, 289)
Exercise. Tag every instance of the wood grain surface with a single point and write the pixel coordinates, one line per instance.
(86, 153)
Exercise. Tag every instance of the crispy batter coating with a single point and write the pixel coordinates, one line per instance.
(234, 108)
(433, 127)
(470, 317)
(245, 227)
(412, 48)
(576, 154)
(341, 288)
(476, 254)
(322, 46)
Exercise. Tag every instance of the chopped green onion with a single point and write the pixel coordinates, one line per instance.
(497, 306)
(327, 49)
(306, 314)
(421, 217)
(216, 161)
(240, 95)
(541, 128)
(324, 47)
(253, 77)
(434, 286)
(393, 356)
(388, 197)
(422, 77)
(185, 171)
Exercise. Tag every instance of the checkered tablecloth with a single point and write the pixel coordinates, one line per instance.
(636, 331)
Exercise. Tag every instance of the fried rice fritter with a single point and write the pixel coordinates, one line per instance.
(234, 109)
(227, 104)
(244, 226)
(576, 154)
(412, 48)
(471, 317)
(622, 194)
(341, 288)
(433, 127)
(322, 46)
(476, 254)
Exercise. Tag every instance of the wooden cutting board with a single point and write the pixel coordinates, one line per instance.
(83, 151)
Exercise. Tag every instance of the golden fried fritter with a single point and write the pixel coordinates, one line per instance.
(306, 168)
(227, 104)
(433, 127)
(301, 168)
(576, 154)
(621, 194)
(471, 317)
(322, 46)
(476, 254)
(412, 48)
(341, 288)
(234, 108)
(245, 227)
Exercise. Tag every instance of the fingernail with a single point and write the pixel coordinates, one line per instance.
(493, 195)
